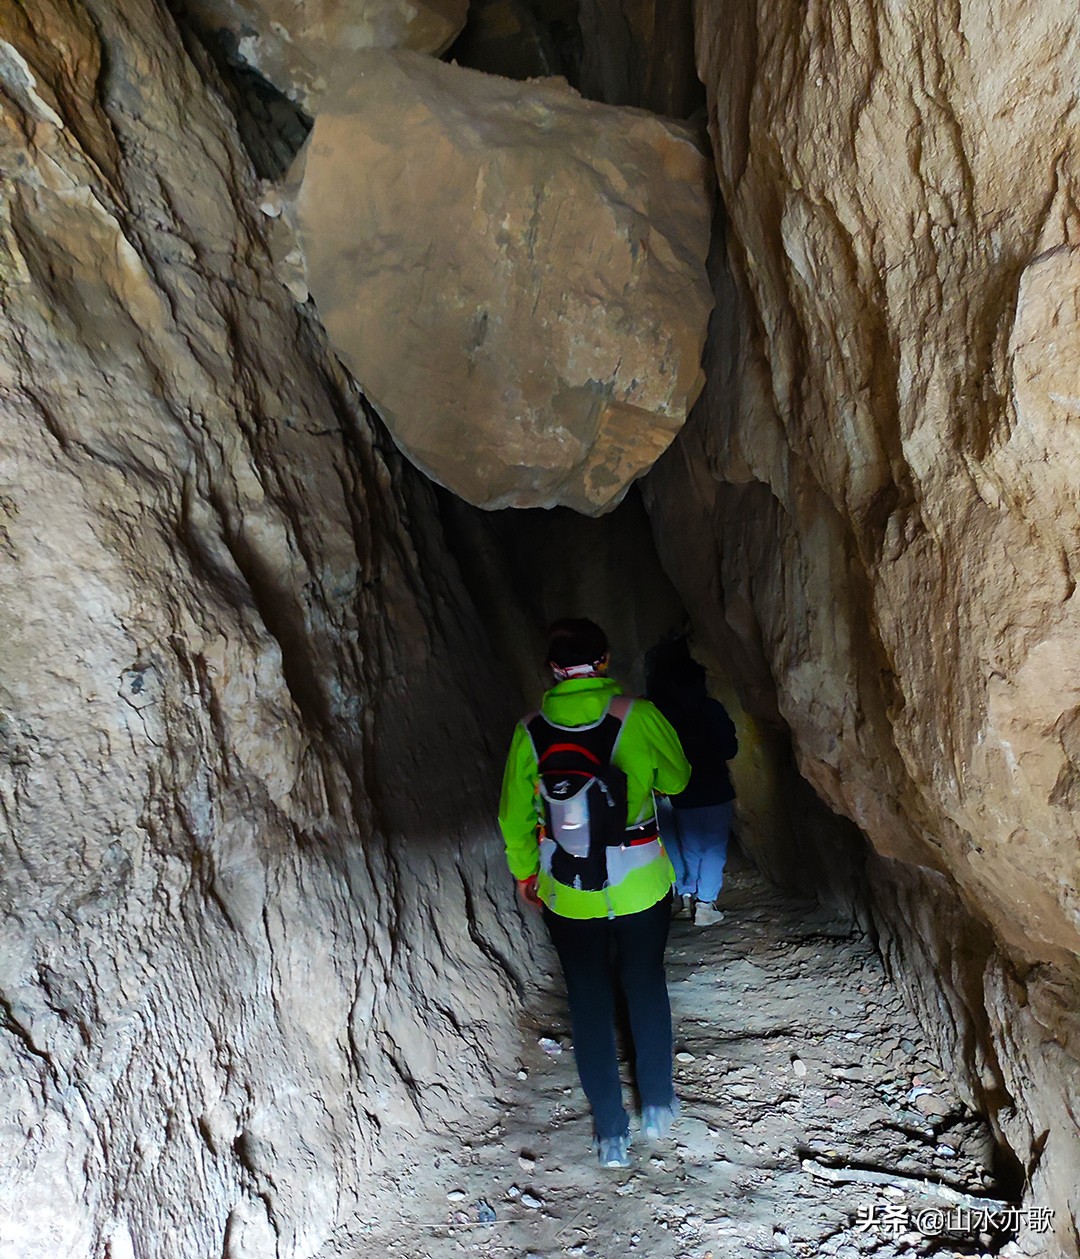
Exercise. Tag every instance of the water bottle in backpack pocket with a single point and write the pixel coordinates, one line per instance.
(568, 820)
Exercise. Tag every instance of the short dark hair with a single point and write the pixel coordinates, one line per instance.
(575, 640)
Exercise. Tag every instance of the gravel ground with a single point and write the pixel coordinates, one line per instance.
(814, 1122)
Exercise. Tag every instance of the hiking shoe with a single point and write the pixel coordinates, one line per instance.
(656, 1121)
(706, 915)
(614, 1151)
(682, 906)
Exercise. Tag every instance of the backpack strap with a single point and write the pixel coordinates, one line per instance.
(618, 707)
(527, 722)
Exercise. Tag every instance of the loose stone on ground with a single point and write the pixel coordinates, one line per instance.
(814, 1120)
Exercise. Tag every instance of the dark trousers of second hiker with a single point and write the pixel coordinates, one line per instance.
(593, 953)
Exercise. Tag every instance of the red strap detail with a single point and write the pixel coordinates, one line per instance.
(570, 747)
(636, 843)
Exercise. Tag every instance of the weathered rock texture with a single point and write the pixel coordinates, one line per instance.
(514, 275)
(641, 53)
(888, 455)
(243, 953)
(300, 45)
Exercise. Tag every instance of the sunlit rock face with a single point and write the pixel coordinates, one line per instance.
(251, 899)
(514, 276)
(299, 45)
(888, 454)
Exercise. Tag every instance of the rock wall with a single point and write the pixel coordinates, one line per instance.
(640, 53)
(520, 39)
(886, 455)
(1010, 1034)
(624, 52)
(244, 957)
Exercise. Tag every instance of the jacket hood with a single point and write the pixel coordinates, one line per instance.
(579, 701)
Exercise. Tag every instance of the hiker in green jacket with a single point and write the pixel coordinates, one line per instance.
(603, 881)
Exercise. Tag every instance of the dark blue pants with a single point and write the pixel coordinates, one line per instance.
(595, 952)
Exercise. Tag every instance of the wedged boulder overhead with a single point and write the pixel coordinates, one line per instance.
(514, 275)
(298, 45)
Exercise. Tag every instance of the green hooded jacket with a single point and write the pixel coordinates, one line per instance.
(651, 757)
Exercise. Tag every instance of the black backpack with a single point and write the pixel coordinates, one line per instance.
(584, 794)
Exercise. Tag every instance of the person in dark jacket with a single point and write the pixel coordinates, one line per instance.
(697, 822)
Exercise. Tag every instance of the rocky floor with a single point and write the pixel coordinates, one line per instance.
(815, 1122)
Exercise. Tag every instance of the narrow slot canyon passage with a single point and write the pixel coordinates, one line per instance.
(344, 346)
(815, 1120)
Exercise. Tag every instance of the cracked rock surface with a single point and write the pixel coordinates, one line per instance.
(300, 46)
(887, 457)
(234, 641)
(514, 275)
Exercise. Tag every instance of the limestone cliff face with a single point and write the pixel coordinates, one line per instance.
(888, 451)
(233, 645)
(902, 221)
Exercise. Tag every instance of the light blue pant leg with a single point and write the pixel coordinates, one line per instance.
(667, 817)
(703, 836)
